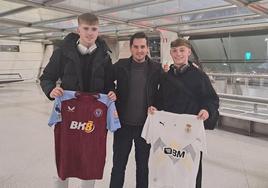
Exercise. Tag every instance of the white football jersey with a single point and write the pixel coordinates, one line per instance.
(176, 141)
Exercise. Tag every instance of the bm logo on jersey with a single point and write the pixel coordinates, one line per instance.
(88, 127)
(174, 153)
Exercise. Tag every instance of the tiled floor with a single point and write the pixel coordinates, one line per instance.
(27, 153)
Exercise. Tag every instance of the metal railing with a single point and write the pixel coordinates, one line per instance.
(252, 109)
(238, 75)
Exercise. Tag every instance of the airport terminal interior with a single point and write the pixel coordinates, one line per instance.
(229, 41)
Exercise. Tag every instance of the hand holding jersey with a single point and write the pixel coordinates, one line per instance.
(58, 91)
(203, 114)
(112, 96)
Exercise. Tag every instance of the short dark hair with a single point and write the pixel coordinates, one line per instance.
(88, 18)
(138, 35)
(180, 42)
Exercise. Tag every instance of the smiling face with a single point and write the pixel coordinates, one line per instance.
(180, 55)
(88, 33)
(180, 50)
(139, 49)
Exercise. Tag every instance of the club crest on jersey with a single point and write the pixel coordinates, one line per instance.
(98, 112)
(188, 128)
(88, 127)
(70, 109)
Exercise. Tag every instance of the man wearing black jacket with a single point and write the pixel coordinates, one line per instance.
(81, 63)
(137, 82)
(195, 95)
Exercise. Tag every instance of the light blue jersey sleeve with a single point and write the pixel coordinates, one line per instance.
(55, 116)
(113, 122)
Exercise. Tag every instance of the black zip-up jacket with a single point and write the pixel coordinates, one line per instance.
(173, 98)
(65, 65)
(121, 72)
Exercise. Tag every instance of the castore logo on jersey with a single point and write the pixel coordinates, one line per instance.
(70, 109)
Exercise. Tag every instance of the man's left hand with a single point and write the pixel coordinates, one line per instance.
(203, 115)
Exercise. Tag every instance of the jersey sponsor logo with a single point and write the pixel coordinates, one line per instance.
(173, 152)
(88, 127)
(70, 109)
(98, 112)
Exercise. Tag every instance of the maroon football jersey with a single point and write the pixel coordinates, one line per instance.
(80, 138)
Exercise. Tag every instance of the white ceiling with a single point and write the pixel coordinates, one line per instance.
(53, 19)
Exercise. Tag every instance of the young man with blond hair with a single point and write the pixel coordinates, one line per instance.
(81, 63)
(186, 89)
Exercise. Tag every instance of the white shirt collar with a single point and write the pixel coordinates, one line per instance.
(84, 50)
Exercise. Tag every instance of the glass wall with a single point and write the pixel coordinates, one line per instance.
(236, 65)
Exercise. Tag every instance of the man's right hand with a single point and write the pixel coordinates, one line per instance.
(166, 67)
(151, 110)
(56, 92)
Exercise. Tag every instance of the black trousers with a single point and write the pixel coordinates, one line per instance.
(199, 174)
(123, 139)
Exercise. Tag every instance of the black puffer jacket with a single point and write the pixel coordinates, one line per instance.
(65, 65)
(173, 98)
(121, 71)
